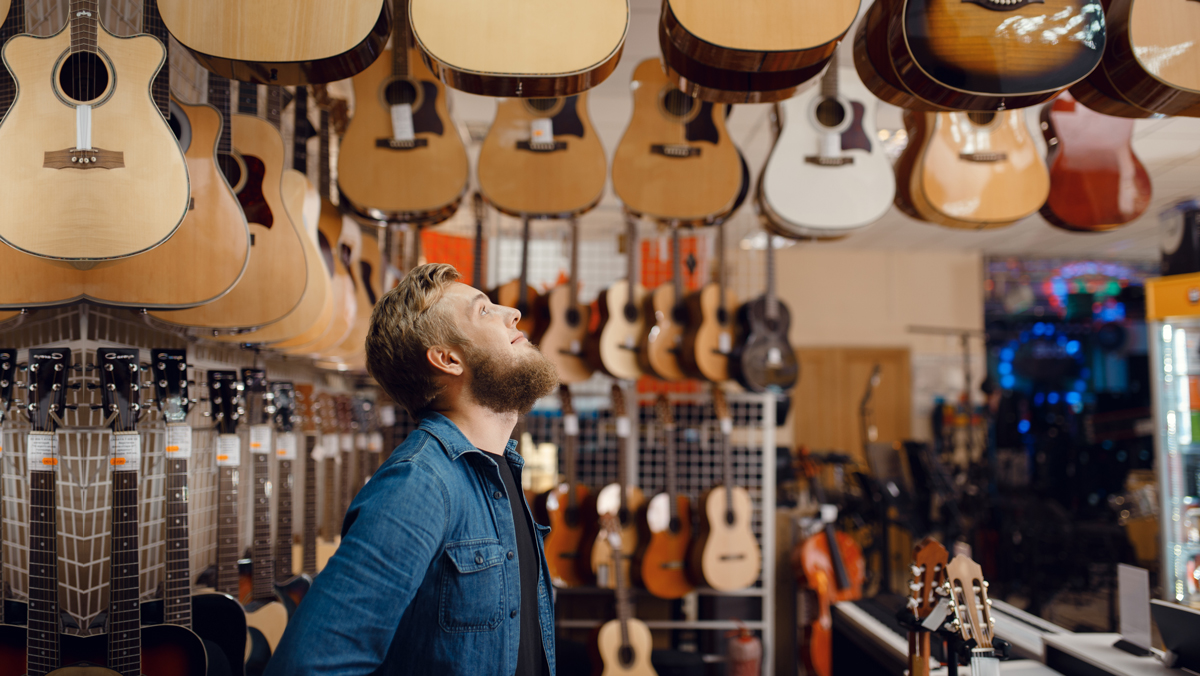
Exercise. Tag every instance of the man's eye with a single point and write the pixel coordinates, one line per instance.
(483, 310)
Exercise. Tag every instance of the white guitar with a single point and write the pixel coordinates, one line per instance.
(827, 174)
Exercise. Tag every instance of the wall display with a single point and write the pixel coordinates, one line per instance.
(623, 501)
(566, 330)
(569, 509)
(359, 251)
(763, 360)
(613, 347)
(668, 520)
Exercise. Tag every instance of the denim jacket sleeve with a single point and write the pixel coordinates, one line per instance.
(393, 532)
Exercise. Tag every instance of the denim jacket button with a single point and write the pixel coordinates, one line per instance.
(478, 559)
(513, 613)
(510, 556)
(497, 495)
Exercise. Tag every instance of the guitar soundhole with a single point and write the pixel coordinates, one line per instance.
(573, 317)
(631, 312)
(722, 316)
(679, 314)
(830, 113)
(626, 655)
(400, 92)
(571, 516)
(730, 517)
(981, 118)
(623, 516)
(678, 105)
(542, 105)
(676, 525)
(84, 77)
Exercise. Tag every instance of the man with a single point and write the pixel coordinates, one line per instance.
(440, 569)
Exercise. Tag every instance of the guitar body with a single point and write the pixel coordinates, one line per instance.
(523, 48)
(341, 286)
(1097, 92)
(292, 592)
(357, 248)
(803, 193)
(1008, 182)
(663, 566)
(97, 223)
(269, 619)
(598, 551)
(567, 533)
(614, 347)
(874, 64)
(1142, 29)
(764, 360)
(421, 184)
(532, 323)
(661, 344)
(971, 55)
(284, 42)
(167, 650)
(1097, 183)
(276, 277)
(219, 620)
(632, 662)
(700, 181)
(562, 343)
(565, 181)
(708, 339)
(725, 554)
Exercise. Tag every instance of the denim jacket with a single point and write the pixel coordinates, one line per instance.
(425, 580)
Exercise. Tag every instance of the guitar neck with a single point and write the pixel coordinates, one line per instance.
(522, 291)
(13, 26)
(275, 106)
(160, 89)
(124, 613)
(309, 552)
(263, 564)
(477, 263)
(574, 282)
(624, 605)
(829, 82)
(42, 641)
(677, 265)
(283, 523)
(177, 595)
(301, 131)
(672, 470)
(400, 39)
(228, 533)
(218, 97)
(720, 271)
(248, 98)
(570, 448)
(83, 16)
(772, 304)
(631, 243)
(323, 177)
(331, 527)
(841, 578)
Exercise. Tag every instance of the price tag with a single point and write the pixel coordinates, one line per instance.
(260, 439)
(387, 416)
(375, 442)
(576, 348)
(41, 448)
(330, 443)
(623, 427)
(571, 425)
(229, 450)
(179, 442)
(360, 441)
(541, 131)
(726, 425)
(774, 357)
(724, 343)
(126, 453)
(347, 443)
(402, 122)
(285, 446)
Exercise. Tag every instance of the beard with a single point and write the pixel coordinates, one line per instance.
(507, 385)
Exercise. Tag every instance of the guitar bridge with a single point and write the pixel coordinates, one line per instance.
(828, 161)
(983, 157)
(674, 150)
(541, 146)
(73, 158)
(401, 144)
(1004, 5)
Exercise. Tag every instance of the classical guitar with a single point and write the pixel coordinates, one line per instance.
(763, 359)
(725, 554)
(970, 170)
(518, 293)
(613, 348)
(663, 564)
(477, 254)
(286, 42)
(1097, 182)
(675, 162)
(562, 343)
(661, 343)
(568, 509)
(973, 613)
(618, 499)
(359, 252)
(86, 125)
(624, 644)
(502, 52)
(306, 551)
(708, 338)
(541, 157)
(289, 588)
(402, 159)
(827, 174)
(928, 576)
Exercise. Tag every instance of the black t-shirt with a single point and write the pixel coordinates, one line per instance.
(531, 656)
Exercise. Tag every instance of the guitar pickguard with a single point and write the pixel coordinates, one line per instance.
(425, 119)
(701, 128)
(254, 203)
(566, 120)
(855, 137)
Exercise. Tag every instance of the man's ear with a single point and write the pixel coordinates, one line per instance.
(446, 360)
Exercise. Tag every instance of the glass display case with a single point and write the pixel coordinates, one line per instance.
(1173, 316)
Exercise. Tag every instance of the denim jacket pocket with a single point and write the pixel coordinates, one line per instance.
(472, 586)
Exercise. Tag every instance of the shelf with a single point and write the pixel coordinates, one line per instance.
(750, 592)
(712, 625)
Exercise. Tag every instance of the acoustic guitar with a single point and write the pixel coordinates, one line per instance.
(562, 343)
(285, 42)
(970, 170)
(762, 358)
(359, 251)
(621, 500)
(1097, 182)
(725, 554)
(542, 158)
(661, 344)
(676, 162)
(519, 294)
(708, 339)
(613, 348)
(624, 644)
(973, 613)
(663, 561)
(568, 509)
(402, 159)
(928, 576)
(827, 174)
(521, 48)
(874, 64)
(85, 125)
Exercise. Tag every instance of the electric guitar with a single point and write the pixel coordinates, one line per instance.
(286, 42)
(624, 644)
(501, 52)
(618, 499)
(669, 522)
(568, 509)
(542, 158)
(613, 348)
(289, 588)
(708, 339)
(306, 551)
(662, 343)
(402, 159)
(827, 176)
(763, 359)
(562, 343)
(350, 455)
(725, 554)
(676, 162)
(929, 574)
(331, 519)
(8, 369)
(519, 294)
(973, 613)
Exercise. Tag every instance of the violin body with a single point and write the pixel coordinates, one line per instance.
(812, 563)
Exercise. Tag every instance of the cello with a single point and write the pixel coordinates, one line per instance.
(831, 573)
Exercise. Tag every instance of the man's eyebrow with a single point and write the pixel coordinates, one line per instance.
(475, 301)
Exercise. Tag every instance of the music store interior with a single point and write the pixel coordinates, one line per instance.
(877, 323)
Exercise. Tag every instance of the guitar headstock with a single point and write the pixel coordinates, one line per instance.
(618, 401)
(224, 400)
(610, 525)
(662, 407)
(564, 395)
(306, 407)
(169, 369)
(47, 386)
(120, 386)
(254, 392)
(720, 403)
(327, 413)
(345, 413)
(929, 574)
(968, 595)
(362, 410)
(284, 400)
(8, 372)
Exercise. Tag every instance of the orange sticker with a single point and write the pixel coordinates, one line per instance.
(49, 461)
(222, 458)
(116, 461)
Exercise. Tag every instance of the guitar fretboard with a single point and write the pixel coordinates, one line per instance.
(227, 531)
(323, 175)
(309, 557)
(247, 98)
(275, 105)
(283, 523)
(330, 521)
(400, 39)
(124, 614)
(829, 82)
(772, 304)
(178, 584)
(42, 637)
(302, 131)
(263, 564)
(152, 24)
(13, 25)
(84, 17)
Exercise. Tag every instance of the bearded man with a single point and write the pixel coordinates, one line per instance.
(440, 569)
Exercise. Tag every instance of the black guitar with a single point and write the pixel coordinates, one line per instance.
(289, 589)
(763, 360)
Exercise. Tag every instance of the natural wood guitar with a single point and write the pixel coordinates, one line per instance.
(360, 253)
(874, 65)
(562, 343)
(668, 517)
(973, 613)
(621, 500)
(661, 344)
(519, 294)
(708, 339)
(1141, 34)
(568, 509)
(675, 162)
(928, 576)
(624, 644)
(85, 125)
(614, 347)
(522, 48)
(542, 157)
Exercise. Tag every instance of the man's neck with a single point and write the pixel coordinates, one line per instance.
(486, 429)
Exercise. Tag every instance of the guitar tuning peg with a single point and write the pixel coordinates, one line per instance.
(71, 407)
(22, 366)
(73, 386)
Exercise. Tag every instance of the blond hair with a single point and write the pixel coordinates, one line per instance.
(404, 325)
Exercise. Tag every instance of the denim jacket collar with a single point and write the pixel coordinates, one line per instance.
(455, 444)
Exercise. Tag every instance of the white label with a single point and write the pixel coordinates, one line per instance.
(360, 441)
(726, 426)
(664, 249)
(375, 442)
(774, 358)
(179, 442)
(575, 347)
(285, 446)
(541, 131)
(330, 443)
(402, 122)
(724, 342)
(630, 341)
(229, 450)
(571, 425)
(623, 427)
(42, 450)
(126, 454)
(260, 439)
(347, 442)
(387, 416)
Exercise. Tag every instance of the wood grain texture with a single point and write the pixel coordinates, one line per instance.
(97, 222)
(641, 642)
(1097, 92)
(276, 276)
(520, 47)
(1154, 60)
(359, 247)
(700, 349)
(662, 563)
(562, 343)
(874, 65)
(687, 189)
(563, 544)
(726, 556)
(341, 287)
(660, 345)
(408, 186)
(613, 348)
(558, 184)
